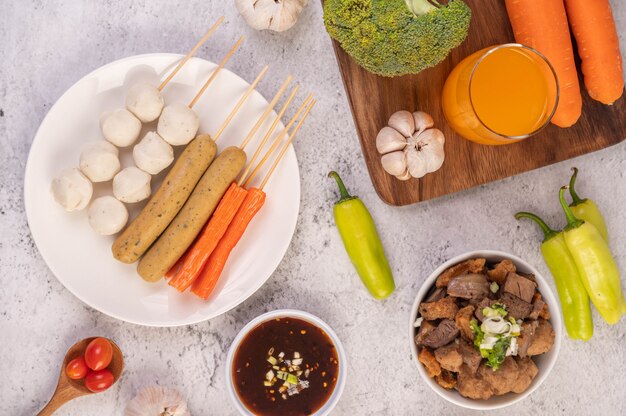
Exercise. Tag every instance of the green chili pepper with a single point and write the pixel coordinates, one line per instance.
(572, 294)
(595, 263)
(359, 235)
(586, 209)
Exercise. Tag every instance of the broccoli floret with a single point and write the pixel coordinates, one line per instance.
(397, 37)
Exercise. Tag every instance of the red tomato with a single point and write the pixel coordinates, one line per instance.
(98, 381)
(77, 368)
(98, 354)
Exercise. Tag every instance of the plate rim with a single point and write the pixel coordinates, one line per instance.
(28, 168)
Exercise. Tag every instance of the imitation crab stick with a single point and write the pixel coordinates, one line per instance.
(598, 46)
(204, 285)
(190, 264)
(542, 25)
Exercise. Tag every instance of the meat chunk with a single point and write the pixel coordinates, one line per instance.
(427, 358)
(527, 371)
(516, 307)
(484, 303)
(436, 294)
(503, 379)
(538, 305)
(545, 312)
(425, 328)
(446, 379)
(469, 286)
(468, 266)
(473, 386)
(527, 333)
(442, 309)
(444, 334)
(471, 357)
(449, 357)
(462, 321)
(543, 339)
(520, 286)
(500, 270)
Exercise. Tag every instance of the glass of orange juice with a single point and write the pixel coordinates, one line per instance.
(501, 95)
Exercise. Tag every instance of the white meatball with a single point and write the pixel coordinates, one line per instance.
(153, 154)
(107, 215)
(131, 185)
(120, 127)
(71, 189)
(100, 161)
(178, 124)
(145, 102)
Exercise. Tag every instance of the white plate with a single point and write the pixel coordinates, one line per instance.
(82, 260)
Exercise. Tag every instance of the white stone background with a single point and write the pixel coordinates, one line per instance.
(49, 45)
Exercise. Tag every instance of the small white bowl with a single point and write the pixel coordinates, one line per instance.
(291, 313)
(545, 362)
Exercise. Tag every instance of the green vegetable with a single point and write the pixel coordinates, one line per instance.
(586, 209)
(496, 355)
(572, 294)
(394, 37)
(596, 265)
(359, 235)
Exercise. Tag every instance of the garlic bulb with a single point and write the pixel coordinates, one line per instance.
(157, 401)
(276, 15)
(409, 146)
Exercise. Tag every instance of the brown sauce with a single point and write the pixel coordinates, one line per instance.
(289, 336)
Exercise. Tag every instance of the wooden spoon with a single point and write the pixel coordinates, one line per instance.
(68, 389)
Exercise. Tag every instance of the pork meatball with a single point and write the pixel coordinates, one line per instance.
(99, 161)
(153, 154)
(178, 124)
(120, 127)
(71, 189)
(145, 102)
(131, 185)
(107, 215)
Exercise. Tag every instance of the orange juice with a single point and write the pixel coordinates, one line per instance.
(500, 95)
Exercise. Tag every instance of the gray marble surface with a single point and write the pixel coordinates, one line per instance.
(48, 45)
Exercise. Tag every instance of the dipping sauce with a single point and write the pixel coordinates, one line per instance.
(285, 366)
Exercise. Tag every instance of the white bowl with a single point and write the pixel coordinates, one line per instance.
(545, 362)
(292, 313)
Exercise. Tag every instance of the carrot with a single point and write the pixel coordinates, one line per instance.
(195, 258)
(598, 46)
(542, 25)
(206, 282)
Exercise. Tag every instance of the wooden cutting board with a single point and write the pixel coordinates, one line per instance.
(373, 99)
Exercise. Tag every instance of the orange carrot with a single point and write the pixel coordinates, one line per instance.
(542, 25)
(598, 46)
(206, 282)
(192, 263)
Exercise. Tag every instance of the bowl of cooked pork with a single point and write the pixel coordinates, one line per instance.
(485, 330)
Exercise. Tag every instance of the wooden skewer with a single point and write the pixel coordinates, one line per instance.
(215, 72)
(191, 53)
(266, 113)
(242, 100)
(268, 134)
(277, 141)
(284, 149)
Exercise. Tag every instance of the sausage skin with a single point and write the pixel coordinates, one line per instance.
(183, 230)
(161, 209)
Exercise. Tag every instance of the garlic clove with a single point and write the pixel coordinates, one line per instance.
(431, 136)
(416, 162)
(423, 121)
(271, 14)
(153, 401)
(403, 122)
(394, 163)
(389, 140)
(405, 176)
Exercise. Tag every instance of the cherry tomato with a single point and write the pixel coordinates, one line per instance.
(77, 368)
(98, 381)
(98, 354)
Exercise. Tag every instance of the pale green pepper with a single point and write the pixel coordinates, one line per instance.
(596, 265)
(586, 209)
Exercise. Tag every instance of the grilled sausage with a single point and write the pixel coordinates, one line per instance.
(182, 231)
(166, 201)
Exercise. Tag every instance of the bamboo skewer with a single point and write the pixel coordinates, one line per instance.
(241, 101)
(191, 53)
(277, 141)
(215, 72)
(266, 113)
(268, 134)
(284, 149)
